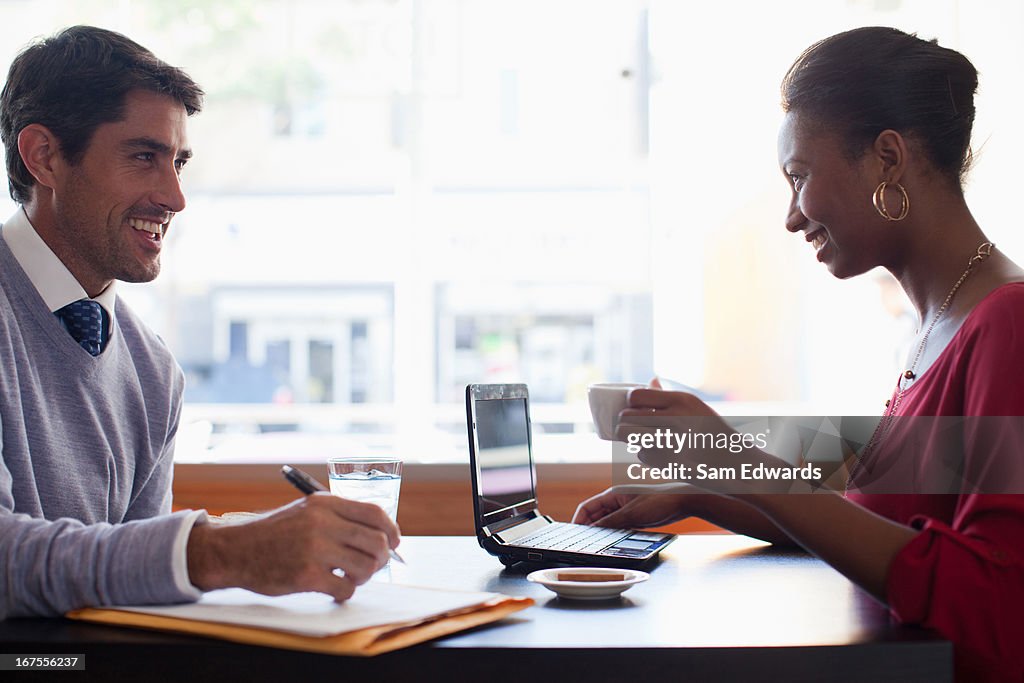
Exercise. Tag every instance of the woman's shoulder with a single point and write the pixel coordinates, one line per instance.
(988, 353)
(995, 325)
(1004, 304)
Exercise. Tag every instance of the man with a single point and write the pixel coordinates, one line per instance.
(94, 128)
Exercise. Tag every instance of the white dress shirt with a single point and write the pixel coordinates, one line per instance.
(48, 274)
(58, 288)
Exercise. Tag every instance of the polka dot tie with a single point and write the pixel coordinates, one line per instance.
(84, 320)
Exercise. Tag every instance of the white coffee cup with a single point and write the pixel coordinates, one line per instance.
(607, 400)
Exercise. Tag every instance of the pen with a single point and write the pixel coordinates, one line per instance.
(308, 485)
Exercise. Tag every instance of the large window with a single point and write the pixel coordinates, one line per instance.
(393, 198)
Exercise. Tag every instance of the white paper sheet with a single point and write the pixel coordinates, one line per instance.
(316, 614)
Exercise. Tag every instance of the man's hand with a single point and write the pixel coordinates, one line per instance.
(296, 548)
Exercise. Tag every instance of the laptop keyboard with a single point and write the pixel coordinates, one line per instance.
(577, 538)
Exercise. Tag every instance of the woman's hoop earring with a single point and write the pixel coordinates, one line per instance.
(878, 199)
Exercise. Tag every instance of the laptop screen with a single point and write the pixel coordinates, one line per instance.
(503, 458)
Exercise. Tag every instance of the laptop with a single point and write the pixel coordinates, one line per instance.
(509, 523)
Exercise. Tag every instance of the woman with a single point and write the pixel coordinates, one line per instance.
(874, 144)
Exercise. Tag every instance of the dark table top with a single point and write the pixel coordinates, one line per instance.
(716, 608)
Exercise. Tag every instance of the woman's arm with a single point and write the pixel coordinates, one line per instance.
(739, 516)
(858, 543)
(648, 506)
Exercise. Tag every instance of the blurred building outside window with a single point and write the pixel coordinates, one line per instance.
(393, 198)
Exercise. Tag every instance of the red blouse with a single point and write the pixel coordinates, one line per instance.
(963, 574)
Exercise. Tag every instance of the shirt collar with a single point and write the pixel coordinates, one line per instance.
(51, 278)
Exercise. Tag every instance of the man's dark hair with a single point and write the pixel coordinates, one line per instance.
(861, 82)
(72, 83)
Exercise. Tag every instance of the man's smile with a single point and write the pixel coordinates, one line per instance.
(155, 229)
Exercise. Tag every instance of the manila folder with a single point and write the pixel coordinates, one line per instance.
(380, 617)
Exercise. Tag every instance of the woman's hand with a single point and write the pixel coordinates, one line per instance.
(679, 434)
(632, 507)
(658, 427)
(651, 409)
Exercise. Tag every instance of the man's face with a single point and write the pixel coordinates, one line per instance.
(113, 209)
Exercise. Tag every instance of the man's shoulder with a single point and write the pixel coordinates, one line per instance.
(140, 339)
(151, 359)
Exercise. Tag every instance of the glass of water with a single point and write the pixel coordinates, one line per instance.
(368, 479)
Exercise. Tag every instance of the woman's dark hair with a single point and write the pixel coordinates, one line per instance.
(867, 80)
(72, 83)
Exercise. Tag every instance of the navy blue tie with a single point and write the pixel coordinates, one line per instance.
(84, 320)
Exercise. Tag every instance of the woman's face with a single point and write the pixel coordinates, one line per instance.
(831, 200)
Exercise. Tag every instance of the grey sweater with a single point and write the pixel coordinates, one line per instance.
(85, 460)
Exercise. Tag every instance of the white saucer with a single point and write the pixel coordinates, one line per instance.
(588, 590)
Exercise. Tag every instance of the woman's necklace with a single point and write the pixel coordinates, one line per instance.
(984, 251)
